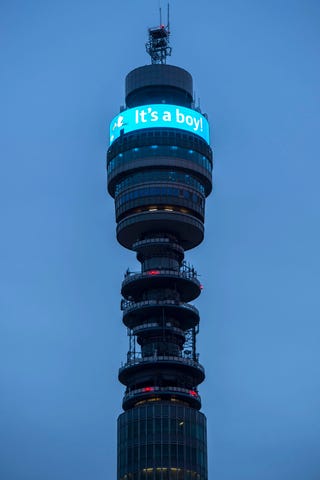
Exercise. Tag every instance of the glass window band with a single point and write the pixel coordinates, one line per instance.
(160, 137)
(165, 151)
(162, 438)
(148, 176)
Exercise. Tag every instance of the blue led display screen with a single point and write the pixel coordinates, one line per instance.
(159, 116)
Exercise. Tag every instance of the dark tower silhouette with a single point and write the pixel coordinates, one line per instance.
(159, 167)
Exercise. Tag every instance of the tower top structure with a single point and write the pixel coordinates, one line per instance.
(158, 42)
(159, 165)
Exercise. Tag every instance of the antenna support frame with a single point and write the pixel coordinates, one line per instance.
(157, 45)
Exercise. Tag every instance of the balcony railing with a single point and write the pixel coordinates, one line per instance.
(185, 271)
(137, 359)
(127, 306)
(147, 326)
(158, 240)
(131, 277)
(146, 390)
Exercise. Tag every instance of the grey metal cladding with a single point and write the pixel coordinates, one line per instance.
(156, 75)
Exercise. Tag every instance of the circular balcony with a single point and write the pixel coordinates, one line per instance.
(188, 229)
(187, 395)
(151, 246)
(185, 283)
(145, 369)
(135, 313)
(155, 329)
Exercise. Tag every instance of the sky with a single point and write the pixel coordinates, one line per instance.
(256, 71)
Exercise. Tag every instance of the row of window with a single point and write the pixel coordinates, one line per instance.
(162, 455)
(132, 208)
(173, 151)
(163, 191)
(166, 262)
(159, 137)
(162, 410)
(164, 474)
(175, 423)
(153, 430)
(159, 176)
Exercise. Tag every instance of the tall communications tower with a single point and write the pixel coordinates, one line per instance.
(159, 166)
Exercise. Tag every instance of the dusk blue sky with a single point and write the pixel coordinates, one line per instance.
(256, 70)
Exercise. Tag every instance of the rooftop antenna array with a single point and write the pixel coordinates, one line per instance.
(157, 45)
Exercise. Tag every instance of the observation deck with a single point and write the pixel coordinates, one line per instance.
(135, 313)
(186, 283)
(188, 229)
(143, 369)
(138, 395)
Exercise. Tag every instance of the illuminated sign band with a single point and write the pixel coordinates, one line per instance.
(159, 116)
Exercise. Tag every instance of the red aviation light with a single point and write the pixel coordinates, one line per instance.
(154, 272)
(148, 389)
(193, 393)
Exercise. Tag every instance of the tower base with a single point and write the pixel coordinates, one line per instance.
(162, 441)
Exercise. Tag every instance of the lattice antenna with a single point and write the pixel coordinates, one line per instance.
(157, 45)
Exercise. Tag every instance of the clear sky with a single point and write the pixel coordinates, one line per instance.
(256, 70)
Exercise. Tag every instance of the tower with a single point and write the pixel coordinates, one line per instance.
(159, 166)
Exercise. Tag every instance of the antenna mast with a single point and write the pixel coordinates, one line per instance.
(157, 45)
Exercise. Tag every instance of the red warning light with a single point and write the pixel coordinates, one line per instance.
(154, 272)
(201, 287)
(193, 393)
(148, 389)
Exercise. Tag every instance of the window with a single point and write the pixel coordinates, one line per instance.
(123, 158)
(162, 191)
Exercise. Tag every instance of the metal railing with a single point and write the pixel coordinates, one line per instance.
(147, 326)
(127, 305)
(189, 275)
(137, 359)
(186, 271)
(158, 240)
(147, 390)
